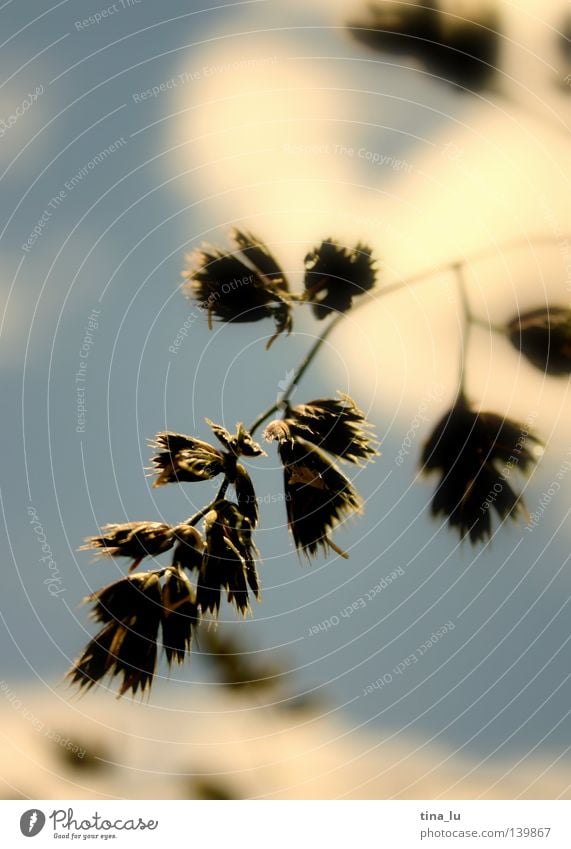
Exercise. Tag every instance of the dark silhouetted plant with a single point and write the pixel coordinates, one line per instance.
(473, 452)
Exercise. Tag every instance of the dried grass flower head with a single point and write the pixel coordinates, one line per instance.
(242, 286)
(318, 495)
(189, 549)
(186, 459)
(179, 615)
(543, 336)
(240, 443)
(462, 47)
(135, 540)
(335, 274)
(336, 425)
(476, 454)
(127, 644)
(132, 610)
(229, 560)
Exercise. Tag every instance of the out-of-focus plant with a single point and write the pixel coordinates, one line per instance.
(213, 555)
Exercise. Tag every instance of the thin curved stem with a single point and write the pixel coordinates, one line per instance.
(262, 418)
(222, 491)
(467, 322)
(309, 357)
(427, 274)
(500, 329)
(192, 520)
(298, 375)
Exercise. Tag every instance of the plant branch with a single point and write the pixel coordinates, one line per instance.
(467, 321)
(428, 273)
(500, 329)
(298, 375)
(262, 418)
(398, 286)
(193, 520)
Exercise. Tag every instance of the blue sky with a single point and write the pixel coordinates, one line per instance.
(206, 152)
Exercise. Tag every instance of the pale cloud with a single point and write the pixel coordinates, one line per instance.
(240, 746)
(268, 135)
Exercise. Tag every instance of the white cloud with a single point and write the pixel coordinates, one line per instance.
(265, 139)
